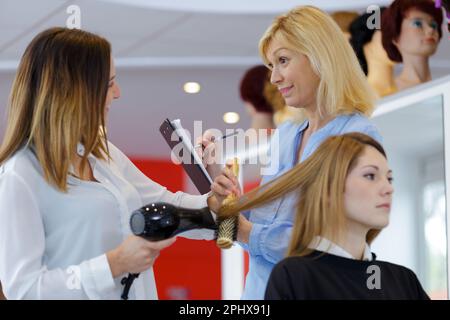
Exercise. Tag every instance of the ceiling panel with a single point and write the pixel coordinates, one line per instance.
(203, 35)
(192, 48)
(238, 29)
(154, 32)
(246, 6)
(122, 25)
(127, 24)
(19, 18)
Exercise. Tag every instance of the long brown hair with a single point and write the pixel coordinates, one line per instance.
(320, 183)
(58, 100)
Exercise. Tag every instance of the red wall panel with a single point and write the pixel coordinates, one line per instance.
(189, 269)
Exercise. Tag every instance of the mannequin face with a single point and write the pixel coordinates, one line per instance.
(374, 50)
(419, 34)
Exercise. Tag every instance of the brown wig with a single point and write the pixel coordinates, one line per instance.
(252, 88)
(392, 18)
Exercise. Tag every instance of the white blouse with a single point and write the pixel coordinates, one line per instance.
(53, 245)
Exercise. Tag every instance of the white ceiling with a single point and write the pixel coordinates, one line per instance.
(245, 6)
(162, 32)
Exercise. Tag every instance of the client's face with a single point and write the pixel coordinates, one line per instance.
(368, 191)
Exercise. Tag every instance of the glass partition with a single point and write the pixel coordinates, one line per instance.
(412, 124)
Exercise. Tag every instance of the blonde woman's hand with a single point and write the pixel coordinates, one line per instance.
(224, 185)
(244, 229)
(210, 155)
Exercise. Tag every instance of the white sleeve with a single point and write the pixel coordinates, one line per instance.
(151, 191)
(22, 245)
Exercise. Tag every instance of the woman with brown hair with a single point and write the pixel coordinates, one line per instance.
(344, 194)
(66, 192)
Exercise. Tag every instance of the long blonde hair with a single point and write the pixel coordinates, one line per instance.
(343, 87)
(58, 100)
(320, 183)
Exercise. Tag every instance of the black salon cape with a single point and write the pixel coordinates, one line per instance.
(325, 276)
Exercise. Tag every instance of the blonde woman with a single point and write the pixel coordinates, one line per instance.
(66, 192)
(344, 191)
(316, 70)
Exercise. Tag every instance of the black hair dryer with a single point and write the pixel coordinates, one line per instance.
(160, 220)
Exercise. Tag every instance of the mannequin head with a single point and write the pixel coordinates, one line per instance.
(367, 43)
(411, 27)
(343, 20)
(446, 5)
(252, 87)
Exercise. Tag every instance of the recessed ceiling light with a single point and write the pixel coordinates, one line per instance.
(191, 87)
(231, 117)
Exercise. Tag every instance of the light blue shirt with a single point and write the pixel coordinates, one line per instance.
(272, 223)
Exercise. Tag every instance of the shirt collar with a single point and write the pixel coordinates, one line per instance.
(325, 245)
(328, 127)
(303, 126)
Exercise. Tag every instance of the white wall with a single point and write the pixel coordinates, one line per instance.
(398, 243)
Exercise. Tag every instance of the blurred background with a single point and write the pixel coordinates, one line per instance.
(160, 45)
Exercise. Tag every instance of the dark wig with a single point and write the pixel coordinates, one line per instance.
(360, 35)
(392, 18)
(252, 88)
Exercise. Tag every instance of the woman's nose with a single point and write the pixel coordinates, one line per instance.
(388, 188)
(275, 76)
